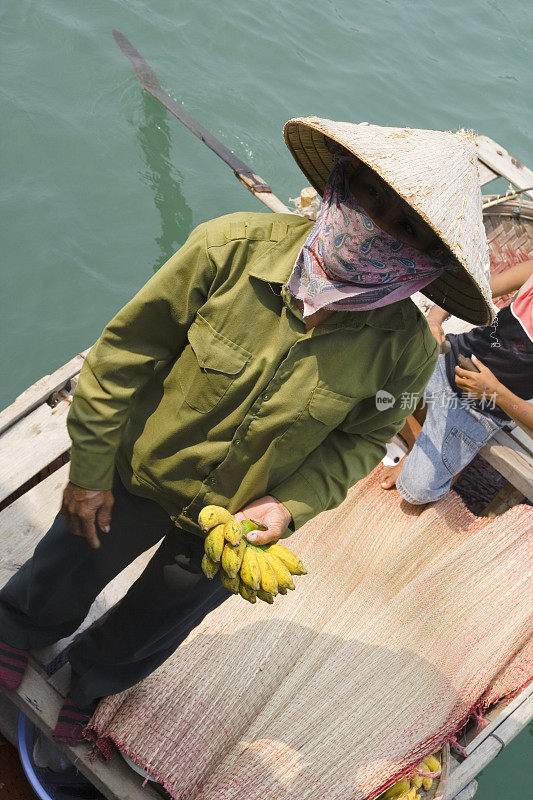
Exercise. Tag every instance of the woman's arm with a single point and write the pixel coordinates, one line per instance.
(151, 327)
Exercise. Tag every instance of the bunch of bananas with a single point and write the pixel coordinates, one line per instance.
(253, 571)
(423, 776)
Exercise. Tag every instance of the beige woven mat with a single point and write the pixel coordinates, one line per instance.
(407, 617)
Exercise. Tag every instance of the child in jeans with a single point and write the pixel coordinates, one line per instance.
(465, 408)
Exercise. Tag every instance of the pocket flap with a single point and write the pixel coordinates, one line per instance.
(213, 350)
(329, 407)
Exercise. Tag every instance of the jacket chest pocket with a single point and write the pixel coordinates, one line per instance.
(208, 366)
(324, 412)
(329, 408)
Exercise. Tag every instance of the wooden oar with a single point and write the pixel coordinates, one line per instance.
(148, 79)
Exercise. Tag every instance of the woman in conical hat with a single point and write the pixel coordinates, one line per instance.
(263, 368)
(401, 213)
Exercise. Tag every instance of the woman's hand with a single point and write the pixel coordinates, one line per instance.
(84, 509)
(483, 384)
(270, 513)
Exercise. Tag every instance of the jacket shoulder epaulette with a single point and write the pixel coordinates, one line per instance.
(255, 226)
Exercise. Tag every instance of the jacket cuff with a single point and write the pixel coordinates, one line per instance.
(90, 469)
(299, 497)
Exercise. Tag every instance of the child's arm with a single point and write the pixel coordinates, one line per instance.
(518, 277)
(512, 279)
(519, 410)
(484, 384)
(435, 317)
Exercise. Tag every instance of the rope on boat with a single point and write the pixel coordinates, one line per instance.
(508, 196)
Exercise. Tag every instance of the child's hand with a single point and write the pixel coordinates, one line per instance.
(482, 384)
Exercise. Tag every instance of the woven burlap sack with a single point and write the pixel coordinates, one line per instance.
(407, 617)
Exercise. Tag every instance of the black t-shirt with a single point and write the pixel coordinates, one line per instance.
(505, 348)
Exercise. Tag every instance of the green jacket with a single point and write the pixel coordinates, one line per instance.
(206, 387)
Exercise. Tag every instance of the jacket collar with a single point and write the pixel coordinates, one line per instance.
(275, 266)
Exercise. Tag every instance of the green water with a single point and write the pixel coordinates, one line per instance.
(100, 185)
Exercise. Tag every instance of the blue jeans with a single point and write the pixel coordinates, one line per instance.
(452, 434)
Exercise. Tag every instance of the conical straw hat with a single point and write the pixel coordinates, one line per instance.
(436, 173)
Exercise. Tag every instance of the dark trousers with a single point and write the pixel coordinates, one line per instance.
(50, 596)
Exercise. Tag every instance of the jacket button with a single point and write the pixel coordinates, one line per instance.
(237, 441)
(266, 396)
(211, 479)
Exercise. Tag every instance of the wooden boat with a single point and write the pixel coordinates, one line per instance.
(34, 451)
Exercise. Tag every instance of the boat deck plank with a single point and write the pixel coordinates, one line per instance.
(39, 392)
(503, 163)
(522, 438)
(489, 748)
(41, 702)
(26, 520)
(486, 174)
(468, 792)
(511, 460)
(31, 444)
(497, 714)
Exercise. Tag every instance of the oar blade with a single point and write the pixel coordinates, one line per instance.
(148, 79)
(141, 68)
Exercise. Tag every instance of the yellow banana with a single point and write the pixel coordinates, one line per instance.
(416, 781)
(292, 562)
(210, 516)
(397, 789)
(426, 782)
(233, 531)
(247, 593)
(282, 589)
(214, 543)
(230, 583)
(266, 596)
(410, 795)
(209, 566)
(232, 558)
(250, 571)
(433, 763)
(269, 581)
(283, 576)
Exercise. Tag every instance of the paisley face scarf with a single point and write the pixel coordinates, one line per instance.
(347, 263)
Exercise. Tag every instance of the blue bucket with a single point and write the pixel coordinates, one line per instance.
(68, 784)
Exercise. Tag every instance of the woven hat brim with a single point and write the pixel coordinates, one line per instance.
(456, 292)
